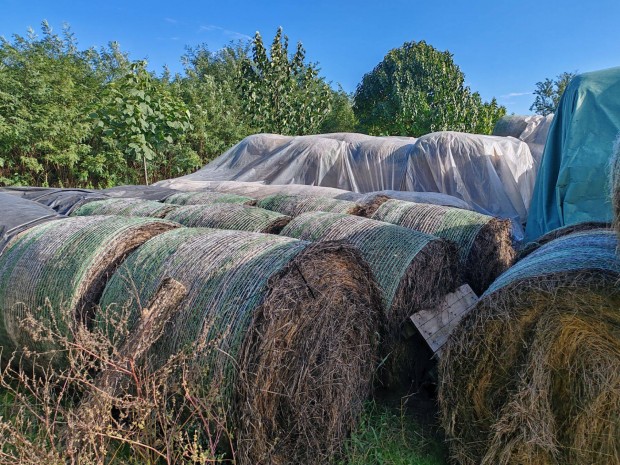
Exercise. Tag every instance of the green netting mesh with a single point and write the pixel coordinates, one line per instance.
(229, 216)
(532, 374)
(294, 205)
(124, 207)
(59, 268)
(484, 242)
(201, 198)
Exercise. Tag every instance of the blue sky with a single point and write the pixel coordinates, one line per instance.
(503, 47)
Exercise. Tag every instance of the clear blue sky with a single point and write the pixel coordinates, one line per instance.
(503, 47)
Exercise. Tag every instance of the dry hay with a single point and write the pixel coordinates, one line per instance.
(484, 242)
(532, 375)
(230, 216)
(286, 332)
(414, 271)
(124, 207)
(57, 271)
(205, 197)
(560, 232)
(295, 205)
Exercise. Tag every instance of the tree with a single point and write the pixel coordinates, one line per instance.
(417, 89)
(549, 92)
(340, 117)
(282, 94)
(141, 117)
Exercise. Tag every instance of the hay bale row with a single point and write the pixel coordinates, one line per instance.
(207, 197)
(124, 207)
(57, 271)
(288, 331)
(560, 232)
(413, 270)
(484, 242)
(295, 205)
(230, 216)
(532, 375)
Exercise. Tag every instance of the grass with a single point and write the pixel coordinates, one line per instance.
(388, 435)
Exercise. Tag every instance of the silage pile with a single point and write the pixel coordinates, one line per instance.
(207, 198)
(124, 207)
(414, 270)
(484, 242)
(57, 271)
(230, 216)
(532, 375)
(286, 333)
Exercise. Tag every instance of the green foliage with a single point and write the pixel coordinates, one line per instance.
(549, 92)
(340, 117)
(282, 94)
(139, 117)
(417, 89)
(388, 436)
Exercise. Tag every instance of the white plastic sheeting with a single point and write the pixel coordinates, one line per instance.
(531, 129)
(494, 175)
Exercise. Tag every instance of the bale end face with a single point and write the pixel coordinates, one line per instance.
(309, 361)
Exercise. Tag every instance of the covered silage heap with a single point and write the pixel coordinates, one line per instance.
(572, 183)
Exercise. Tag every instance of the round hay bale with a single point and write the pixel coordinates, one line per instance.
(124, 207)
(230, 216)
(484, 242)
(532, 374)
(413, 270)
(202, 198)
(295, 205)
(557, 233)
(285, 327)
(57, 271)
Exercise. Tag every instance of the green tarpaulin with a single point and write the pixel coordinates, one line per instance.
(572, 184)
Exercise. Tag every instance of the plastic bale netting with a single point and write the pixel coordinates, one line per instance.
(206, 197)
(18, 214)
(532, 375)
(295, 205)
(284, 330)
(57, 270)
(434, 198)
(125, 207)
(560, 232)
(414, 271)
(230, 216)
(484, 242)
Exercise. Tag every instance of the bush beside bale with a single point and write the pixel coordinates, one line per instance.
(124, 207)
(202, 198)
(230, 216)
(484, 242)
(532, 375)
(57, 271)
(414, 271)
(283, 328)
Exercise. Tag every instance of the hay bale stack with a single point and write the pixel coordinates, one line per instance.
(532, 375)
(560, 232)
(414, 270)
(57, 270)
(230, 216)
(124, 207)
(295, 205)
(202, 198)
(288, 329)
(484, 242)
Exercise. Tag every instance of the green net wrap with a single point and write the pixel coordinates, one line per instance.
(201, 198)
(124, 207)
